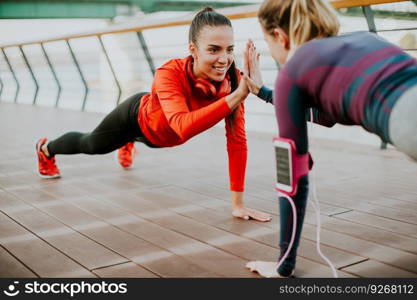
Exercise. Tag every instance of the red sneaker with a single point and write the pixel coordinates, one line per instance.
(125, 155)
(46, 165)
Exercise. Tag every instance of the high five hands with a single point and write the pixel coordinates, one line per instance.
(252, 72)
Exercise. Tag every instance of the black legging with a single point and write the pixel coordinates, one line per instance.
(118, 128)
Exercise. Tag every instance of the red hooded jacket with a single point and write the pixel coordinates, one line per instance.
(181, 106)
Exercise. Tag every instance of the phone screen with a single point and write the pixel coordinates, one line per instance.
(283, 165)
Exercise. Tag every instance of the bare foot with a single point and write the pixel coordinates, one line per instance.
(249, 213)
(264, 268)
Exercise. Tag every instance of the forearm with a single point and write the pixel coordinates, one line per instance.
(265, 94)
(189, 124)
(235, 98)
(237, 169)
(286, 221)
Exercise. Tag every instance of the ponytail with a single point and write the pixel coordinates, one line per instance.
(206, 17)
(234, 83)
(301, 20)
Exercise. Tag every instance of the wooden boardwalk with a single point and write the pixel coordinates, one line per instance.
(169, 216)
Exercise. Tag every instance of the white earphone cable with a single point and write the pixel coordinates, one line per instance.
(316, 207)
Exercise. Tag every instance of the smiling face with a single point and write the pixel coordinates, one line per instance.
(213, 52)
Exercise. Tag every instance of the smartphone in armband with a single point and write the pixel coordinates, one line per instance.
(284, 166)
(290, 166)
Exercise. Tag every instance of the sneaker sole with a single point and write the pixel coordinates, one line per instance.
(48, 176)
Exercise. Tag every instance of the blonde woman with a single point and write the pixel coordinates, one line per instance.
(352, 79)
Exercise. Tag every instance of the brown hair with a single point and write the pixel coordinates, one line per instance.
(301, 20)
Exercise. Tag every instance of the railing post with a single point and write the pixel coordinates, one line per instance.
(53, 73)
(146, 51)
(81, 74)
(13, 74)
(31, 73)
(111, 69)
(1, 87)
(369, 15)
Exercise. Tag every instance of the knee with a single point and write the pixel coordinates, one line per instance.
(91, 148)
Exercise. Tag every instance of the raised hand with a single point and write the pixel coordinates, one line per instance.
(251, 67)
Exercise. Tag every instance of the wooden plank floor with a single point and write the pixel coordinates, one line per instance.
(169, 216)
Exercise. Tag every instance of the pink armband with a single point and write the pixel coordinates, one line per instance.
(290, 165)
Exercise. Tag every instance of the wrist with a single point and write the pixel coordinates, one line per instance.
(261, 89)
(237, 200)
(241, 95)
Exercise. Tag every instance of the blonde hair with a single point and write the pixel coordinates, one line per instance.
(301, 20)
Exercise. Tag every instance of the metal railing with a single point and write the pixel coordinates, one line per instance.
(249, 11)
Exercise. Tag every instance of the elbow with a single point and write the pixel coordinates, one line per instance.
(176, 123)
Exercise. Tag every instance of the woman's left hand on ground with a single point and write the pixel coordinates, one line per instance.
(249, 213)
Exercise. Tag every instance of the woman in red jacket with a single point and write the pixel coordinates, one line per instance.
(188, 96)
